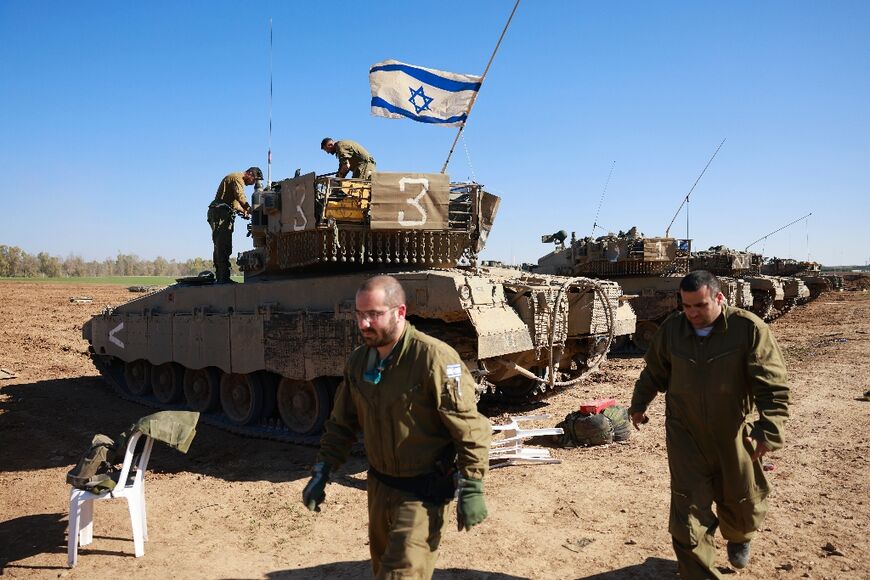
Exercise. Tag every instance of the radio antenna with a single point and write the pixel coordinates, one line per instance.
(686, 199)
(601, 201)
(777, 230)
(269, 156)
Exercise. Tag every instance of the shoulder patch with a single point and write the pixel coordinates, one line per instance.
(453, 371)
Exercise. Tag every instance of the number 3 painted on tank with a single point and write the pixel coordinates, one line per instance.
(414, 201)
(299, 189)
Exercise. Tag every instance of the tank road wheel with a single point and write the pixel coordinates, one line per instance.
(137, 375)
(304, 405)
(202, 389)
(242, 398)
(644, 333)
(167, 382)
(762, 304)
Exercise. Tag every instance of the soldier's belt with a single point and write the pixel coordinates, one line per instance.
(429, 487)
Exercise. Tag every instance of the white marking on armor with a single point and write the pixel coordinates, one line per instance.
(112, 332)
(414, 201)
(296, 228)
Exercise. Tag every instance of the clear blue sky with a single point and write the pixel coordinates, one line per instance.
(118, 119)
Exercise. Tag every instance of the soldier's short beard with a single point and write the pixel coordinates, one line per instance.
(383, 336)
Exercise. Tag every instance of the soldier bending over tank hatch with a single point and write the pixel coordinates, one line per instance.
(352, 157)
(413, 399)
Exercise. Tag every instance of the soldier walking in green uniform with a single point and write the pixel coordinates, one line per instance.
(352, 157)
(229, 200)
(413, 399)
(715, 363)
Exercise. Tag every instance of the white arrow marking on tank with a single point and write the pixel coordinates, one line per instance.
(414, 201)
(112, 332)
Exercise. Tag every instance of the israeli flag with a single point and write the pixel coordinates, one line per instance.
(422, 94)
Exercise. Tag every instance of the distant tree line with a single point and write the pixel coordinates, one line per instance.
(15, 262)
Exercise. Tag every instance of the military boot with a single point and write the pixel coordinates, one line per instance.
(738, 554)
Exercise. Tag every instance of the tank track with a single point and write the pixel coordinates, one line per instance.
(268, 429)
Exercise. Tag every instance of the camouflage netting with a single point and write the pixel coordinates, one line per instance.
(587, 430)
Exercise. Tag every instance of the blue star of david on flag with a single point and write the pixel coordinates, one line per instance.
(441, 98)
(419, 93)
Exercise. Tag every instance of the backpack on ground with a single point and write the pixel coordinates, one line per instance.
(584, 429)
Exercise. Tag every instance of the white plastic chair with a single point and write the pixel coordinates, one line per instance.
(81, 503)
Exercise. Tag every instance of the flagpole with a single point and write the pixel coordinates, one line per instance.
(474, 96)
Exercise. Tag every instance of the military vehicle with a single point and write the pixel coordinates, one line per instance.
(809, 272)
(264, 357)
(648, 269)
(772, 296)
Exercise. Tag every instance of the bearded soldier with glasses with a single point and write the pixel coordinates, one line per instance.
(414, 401)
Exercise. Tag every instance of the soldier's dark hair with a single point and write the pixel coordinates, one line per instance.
(256, 172)
(394, 294)
(324, 142)
(696, 280)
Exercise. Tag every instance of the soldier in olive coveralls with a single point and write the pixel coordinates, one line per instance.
(715, 363)
(413, 400)
(352, 157)
(230, 198)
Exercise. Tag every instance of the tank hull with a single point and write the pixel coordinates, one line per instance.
(264, 357)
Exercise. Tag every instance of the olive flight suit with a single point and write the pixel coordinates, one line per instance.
(419, 414)
(712, 384)
(362, 165)
(229, 199)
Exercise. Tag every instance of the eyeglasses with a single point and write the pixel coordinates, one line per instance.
(372, 315)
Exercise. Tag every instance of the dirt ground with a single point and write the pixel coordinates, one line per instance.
(231, 507)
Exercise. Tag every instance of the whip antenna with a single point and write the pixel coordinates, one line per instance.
(686, 199)
(777, 230)
(269, 157)
(601, 201)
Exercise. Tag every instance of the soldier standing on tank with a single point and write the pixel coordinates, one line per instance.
(229, 200)
(714, 363)
(413, 399)
(352, 157)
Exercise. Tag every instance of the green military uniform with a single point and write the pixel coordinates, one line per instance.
(712, 384)
(229, 199)
(362, 165)
(422, 410)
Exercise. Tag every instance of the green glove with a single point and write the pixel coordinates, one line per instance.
(314, 493)
(470, 508)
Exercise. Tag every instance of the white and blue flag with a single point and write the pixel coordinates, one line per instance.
(422, 94)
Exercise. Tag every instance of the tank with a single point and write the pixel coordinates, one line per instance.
(809, 272)
(772, 296)
(648, 269)
(264, 357)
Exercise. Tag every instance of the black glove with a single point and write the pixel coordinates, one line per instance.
(314, 493)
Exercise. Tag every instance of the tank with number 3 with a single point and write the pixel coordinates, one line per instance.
(263, 358)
